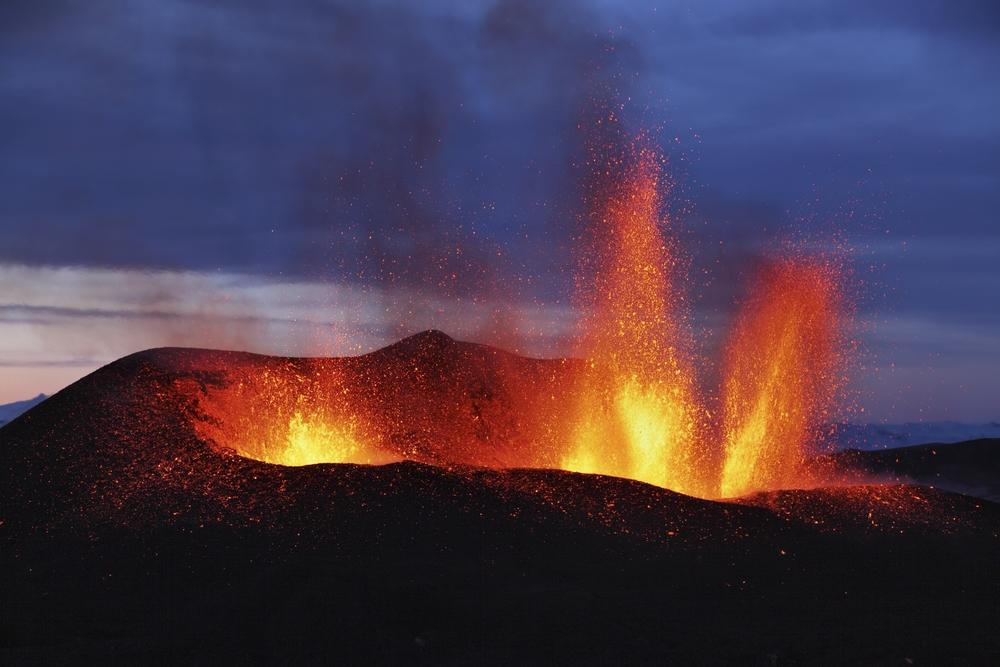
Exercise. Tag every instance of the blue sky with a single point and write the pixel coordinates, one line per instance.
(380, 149)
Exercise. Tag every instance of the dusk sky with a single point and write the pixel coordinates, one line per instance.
(322, 177)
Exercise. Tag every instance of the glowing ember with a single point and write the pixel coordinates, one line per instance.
(780, 381)
(637, 416)
(286, 418)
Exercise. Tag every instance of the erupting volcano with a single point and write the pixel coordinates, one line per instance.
(632, 406)
(499, 332)
(455, 523)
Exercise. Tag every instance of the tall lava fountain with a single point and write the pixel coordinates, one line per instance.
(637, 415)
(781, 374)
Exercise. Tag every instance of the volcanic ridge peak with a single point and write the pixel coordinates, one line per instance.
(429, 343)
(427, 338)
(430, 340)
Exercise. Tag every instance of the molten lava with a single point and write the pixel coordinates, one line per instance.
(781, 375)
(312, 439)
(281, 416)
(636, 411)
(632, 408)
(638, 414)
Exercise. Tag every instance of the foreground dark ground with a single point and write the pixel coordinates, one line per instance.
(406, 583)
(127, 539)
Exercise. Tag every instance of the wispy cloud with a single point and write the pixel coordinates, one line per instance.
(79, 318)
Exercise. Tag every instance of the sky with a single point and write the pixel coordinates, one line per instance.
(322, 177)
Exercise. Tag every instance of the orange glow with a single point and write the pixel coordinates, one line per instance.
(636, 411)
(280, 416)
(311, 439)
(780, 381)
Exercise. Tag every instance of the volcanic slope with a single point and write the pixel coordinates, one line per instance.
(971, 467)
(130, 534)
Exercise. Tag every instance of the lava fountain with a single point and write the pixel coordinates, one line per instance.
(781, 374)
(636, 412)
(291, 418)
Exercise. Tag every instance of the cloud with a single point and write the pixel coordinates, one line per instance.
(419, 154)
(380, 143)
(82, 317)
(958, 18)
(368, 141)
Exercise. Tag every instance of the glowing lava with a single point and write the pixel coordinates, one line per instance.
(288, 418)
(312, 439)
(636, 413)
(780, 377)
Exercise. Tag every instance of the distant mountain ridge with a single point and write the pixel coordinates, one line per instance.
(971, 468)
(890, 436)
(10, 411)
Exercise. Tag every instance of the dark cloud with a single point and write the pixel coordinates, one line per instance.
(370, 139)
(960, 18)
(437, 145)
(344, 138)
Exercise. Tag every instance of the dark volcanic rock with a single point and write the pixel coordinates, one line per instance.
(126, 536)
(971, 467)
